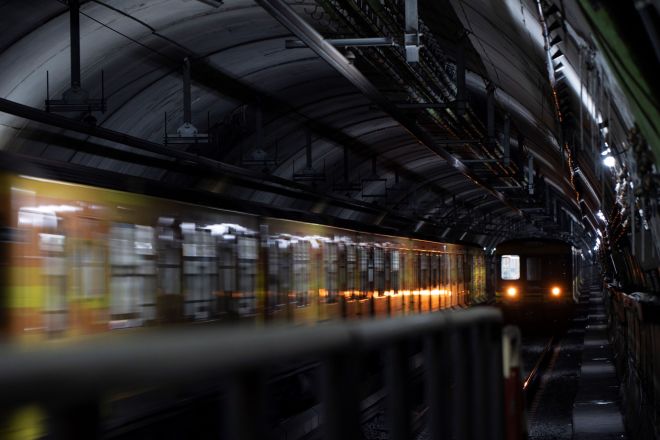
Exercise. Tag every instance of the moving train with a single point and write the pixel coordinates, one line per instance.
(77, 259)
(537, 272)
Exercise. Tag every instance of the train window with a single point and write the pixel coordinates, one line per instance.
(510, 268)
(533, 268)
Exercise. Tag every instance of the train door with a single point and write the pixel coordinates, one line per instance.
(331, 283)
(200, 274)
(54, 272)
(460, 276)
(397, 299)
(88, 278)
(169, 256)
(245, 303)
(380, 302)
(424, 281)
(132, 275)
(453, 278)
(435, 281)
(278, 284)
(442, 274)
(301, 267)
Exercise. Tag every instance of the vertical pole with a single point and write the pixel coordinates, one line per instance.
(398, 399)
(187, 99)
(507, 141)
(245, 406)
(641, 231)
(74, 34)
(411, 37)
(632, 219)
(460, 78)
(340, 397)
(530, 174)
(490, 112)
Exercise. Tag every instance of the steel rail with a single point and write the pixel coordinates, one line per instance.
(283, 13)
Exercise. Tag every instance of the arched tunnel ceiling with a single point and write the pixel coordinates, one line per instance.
(374, 167)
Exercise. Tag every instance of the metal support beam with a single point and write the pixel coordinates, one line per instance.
(347, 42)
(257, 180)
(74, 34)
(411, 37)
(506, 141)
(424, 105)
(282, 12)
(490, 112)
(187, 98)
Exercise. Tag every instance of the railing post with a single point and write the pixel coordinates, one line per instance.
(398, 399)
(494, 397)
(245, 406)
(514, 422)
(437, 385)
(478, 391)
(460, 380)
(340, 398)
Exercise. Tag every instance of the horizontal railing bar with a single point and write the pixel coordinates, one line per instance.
(171, 356)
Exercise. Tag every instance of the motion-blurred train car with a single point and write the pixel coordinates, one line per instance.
(539, 276)
(78, 259)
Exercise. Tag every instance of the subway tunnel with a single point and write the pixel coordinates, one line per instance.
(179, 177)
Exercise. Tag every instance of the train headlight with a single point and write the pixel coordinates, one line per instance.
(556, 291)
(511, 292)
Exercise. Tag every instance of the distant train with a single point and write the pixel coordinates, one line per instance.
(78, 259)
(536, 272)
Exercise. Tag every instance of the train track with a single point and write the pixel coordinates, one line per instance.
(532, 381)
(535, 381)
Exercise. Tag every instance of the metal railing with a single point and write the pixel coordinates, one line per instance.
(460, 352)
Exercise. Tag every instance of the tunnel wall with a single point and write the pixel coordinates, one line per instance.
(634, 329)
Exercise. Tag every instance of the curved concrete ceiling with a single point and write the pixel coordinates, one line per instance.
(241, 69)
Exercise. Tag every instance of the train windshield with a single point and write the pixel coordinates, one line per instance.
(510, 268)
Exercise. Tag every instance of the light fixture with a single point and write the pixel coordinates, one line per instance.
(511, 292)
(609, 161)
(557, 54)
(555, 41)
(556, 291)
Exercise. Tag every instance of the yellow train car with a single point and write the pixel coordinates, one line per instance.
(78, 259)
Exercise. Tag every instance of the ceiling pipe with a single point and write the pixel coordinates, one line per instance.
(267, 183)
(283, 13)
(252, 179)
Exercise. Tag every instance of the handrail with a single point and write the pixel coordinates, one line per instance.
(66, 375)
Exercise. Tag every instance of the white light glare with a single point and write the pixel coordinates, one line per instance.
(601, 216)
(609, 161)
(606, 152)
(597, 246)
